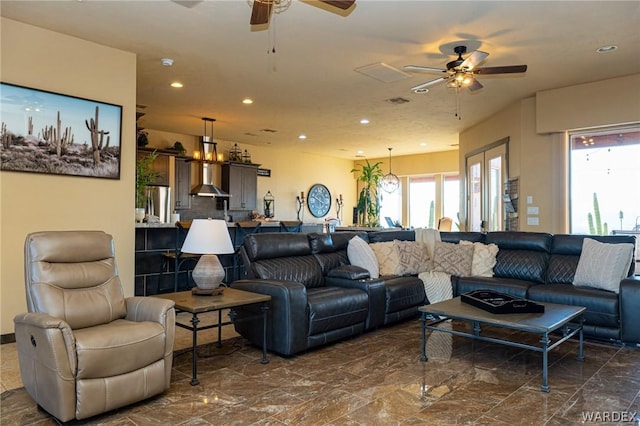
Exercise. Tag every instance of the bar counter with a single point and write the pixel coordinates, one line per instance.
(155, 271)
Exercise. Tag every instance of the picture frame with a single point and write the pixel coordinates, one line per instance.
(53, 133)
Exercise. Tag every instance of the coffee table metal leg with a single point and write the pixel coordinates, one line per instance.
(194, 365)
(580, 349)
(545, 362)
(264, 359)
(423, 320)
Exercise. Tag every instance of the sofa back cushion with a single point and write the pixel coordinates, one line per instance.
(456, 237)
(302, 269)
(521, 255)
(383, 236)
(274, 245)
(565, 254)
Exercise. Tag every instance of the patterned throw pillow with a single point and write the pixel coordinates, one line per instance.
(603, 265)
(387, 257)
(454, 259)
(413, 257)
(360, 254)
(484, 258)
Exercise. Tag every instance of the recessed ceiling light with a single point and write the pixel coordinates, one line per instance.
(166, 62)
(364, 121)
(302, 136)
(422, 90)
(359, 151)
(423, 144)
(247, 101)
(607, 48)
(177, 84)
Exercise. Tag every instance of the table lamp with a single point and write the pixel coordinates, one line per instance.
(208, 237)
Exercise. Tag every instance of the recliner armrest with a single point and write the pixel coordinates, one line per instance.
(629, 312)
(148, 309)
(46, 350)
(287, 313)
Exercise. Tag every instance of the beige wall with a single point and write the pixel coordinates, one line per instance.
(51, 61)
(540, 160)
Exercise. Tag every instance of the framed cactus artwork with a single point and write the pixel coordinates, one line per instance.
(46, 132)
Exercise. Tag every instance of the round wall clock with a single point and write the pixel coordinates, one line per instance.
(319, 200)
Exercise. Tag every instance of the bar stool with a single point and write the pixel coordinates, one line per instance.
(177, 256)
(243, 229)
(290, 226)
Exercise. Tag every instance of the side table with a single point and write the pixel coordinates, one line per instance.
(185, 301)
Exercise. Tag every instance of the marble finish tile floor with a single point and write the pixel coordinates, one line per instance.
(375, 379)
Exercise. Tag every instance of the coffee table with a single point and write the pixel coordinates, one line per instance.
(567, 318)
(185, 301)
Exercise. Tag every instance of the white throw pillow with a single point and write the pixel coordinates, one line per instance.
(360, 254)
(484, 258)
(603, 265)
(387, 257)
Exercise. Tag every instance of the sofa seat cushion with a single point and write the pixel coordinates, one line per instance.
(118, 347)
(331, 308)
(602, 306)
(512, 287)
(403, 293)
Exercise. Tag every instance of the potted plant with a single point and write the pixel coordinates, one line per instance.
(368, 199)
(145, 174)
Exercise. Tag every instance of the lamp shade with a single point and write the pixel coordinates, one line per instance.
(208, 236)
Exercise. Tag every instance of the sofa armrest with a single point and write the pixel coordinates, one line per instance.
(288, 322)
(157, 310)
(376, 291)
(46, 353)
(629, 312)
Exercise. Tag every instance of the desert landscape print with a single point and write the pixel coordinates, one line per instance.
(45, 132)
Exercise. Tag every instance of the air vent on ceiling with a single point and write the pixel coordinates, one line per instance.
(398, 100)
(383, 72)
(250, 134)
(268, 130)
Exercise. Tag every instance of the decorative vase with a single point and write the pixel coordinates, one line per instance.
(139, 214)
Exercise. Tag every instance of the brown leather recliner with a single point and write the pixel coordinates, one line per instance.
(83, 347)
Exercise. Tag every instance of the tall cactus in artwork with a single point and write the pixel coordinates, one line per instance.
(30, 126)
(97, 138)
(57, 141)
(597, 228)
(5, 135)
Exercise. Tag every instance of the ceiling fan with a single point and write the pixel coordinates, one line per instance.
(461, 72)
(262, 9)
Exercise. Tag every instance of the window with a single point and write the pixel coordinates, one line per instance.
(605, 181)
(422, 200)
(451, 199)
(391, 207)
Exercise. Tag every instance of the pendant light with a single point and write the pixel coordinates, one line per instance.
(389, 182)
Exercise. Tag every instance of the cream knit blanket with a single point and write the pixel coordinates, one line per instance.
(437, 285)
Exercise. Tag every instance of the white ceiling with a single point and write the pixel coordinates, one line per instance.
(309, 85)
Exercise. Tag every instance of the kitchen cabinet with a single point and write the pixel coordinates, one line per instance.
(240, 180)
(160, 166)
(183, 184)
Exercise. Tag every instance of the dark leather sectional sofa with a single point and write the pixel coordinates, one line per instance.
(318, 298)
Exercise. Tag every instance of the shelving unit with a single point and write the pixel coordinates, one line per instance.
(510, 198)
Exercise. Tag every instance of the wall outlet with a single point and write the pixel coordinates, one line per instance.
(533, 221)
(532, 210)
(529, 199)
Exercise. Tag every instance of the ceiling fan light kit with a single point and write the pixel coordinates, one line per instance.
(461, 72)
(261, 10)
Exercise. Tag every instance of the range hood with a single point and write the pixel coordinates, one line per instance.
(205, 186)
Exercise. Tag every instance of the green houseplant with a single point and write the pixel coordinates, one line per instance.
(145, 174)
(368, 200)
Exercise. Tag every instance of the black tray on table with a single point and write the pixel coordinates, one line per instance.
(499, 303)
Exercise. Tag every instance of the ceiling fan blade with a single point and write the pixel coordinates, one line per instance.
(260, 13)
(426, 69)
(475, 86)
(501, 70)
(474, 59)
(340, 4)
(428, 83)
